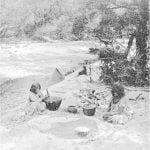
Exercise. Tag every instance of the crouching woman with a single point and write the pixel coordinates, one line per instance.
(36, 100)
(119, 111)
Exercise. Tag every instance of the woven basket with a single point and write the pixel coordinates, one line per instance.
(72, 109)
(89, 109)
(54, 103)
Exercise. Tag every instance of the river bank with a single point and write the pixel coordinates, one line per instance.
(23, 63)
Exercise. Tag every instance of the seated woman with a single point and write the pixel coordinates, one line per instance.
(119, 111)
(36, 100)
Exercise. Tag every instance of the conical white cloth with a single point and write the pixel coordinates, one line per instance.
(56, 77)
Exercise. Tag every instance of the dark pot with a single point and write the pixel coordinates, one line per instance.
(89, 110)
(54, 103)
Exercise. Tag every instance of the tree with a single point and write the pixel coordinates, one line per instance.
(138, 10)
(142, 33)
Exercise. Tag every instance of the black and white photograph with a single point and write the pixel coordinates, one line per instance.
(74, 75)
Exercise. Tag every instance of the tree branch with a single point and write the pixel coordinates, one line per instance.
(125, 5)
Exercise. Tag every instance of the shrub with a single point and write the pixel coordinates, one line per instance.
(79, 26)
(116, 68)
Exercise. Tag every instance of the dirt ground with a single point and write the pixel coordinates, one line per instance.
(55, 130)
(23, 63)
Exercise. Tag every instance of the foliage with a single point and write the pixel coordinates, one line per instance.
(117, 69)
(87, 19)
(79, 26)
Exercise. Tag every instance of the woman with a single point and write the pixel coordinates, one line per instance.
(36, 100)
(119, 110)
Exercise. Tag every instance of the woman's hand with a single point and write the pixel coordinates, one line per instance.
(45, 98)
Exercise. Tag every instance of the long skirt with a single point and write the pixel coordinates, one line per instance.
(117, 119)
(35, 108)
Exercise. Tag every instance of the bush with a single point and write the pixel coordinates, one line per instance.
(64, 28)
(79, 26)
(116, 68)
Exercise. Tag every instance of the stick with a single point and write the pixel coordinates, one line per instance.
(47, 93)
(145, 89)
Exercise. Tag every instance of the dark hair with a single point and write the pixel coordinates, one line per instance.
(119, 89)
(34, 87)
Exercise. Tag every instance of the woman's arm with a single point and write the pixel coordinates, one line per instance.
(34, 97)
(112, 113)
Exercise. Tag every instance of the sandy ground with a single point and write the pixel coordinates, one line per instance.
(23, 63)
(55, 130)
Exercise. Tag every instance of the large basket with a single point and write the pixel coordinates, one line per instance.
(54, 103)
(89, 109)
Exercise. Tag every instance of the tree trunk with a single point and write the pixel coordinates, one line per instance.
(142, 33)
(130, 42)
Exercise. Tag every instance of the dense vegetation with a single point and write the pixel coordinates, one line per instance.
(64, 19)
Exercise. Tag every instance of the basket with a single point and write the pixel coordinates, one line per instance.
(89, 109)
(54, 103)
(72, 109)
(82, 131)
